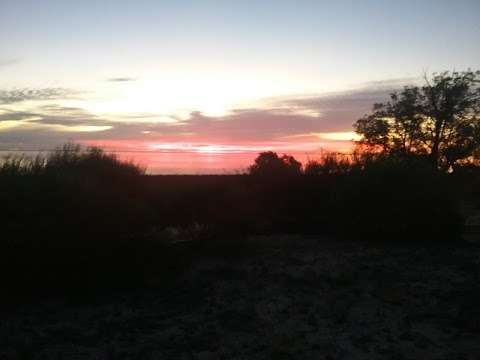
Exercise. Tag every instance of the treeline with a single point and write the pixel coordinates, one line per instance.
(80, 219)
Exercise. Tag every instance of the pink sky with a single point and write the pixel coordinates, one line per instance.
(201, 158)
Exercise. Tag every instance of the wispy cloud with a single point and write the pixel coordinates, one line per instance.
(18, 95)
(54, 115)
(391, 83)
(121, 79)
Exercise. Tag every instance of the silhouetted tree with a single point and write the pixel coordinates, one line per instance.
(440, 120)
(268, 163)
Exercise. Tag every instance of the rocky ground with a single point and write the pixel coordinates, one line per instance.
(297, 298)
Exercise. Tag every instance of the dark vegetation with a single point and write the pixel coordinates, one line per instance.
(80, 219)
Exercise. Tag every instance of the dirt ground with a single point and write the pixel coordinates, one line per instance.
(295, 298)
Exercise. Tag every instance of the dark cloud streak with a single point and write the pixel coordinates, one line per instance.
(121, 79)
(19, 95)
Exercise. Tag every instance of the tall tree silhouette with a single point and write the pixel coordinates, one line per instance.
(440, 120)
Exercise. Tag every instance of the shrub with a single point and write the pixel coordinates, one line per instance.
(68, 219)
(396, 198)
(330, 164)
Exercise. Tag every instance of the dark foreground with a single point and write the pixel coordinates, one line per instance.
(294, 298)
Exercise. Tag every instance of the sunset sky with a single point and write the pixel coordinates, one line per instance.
(202, 86)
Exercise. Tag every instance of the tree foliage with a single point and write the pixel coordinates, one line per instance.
(439, 120)
(268, 163)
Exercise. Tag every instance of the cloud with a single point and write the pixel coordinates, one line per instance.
(9, 61)
(288, 124)
(52, 115)
(396, 83)
(47, 122)
(18, 95)
(284, 116)
(121, 79)
(16, 115)
(285, 121)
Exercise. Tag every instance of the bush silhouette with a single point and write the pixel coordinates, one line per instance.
(72, 160)
(330, 164)
(67, 217)
(396, 198)
(269, 164)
